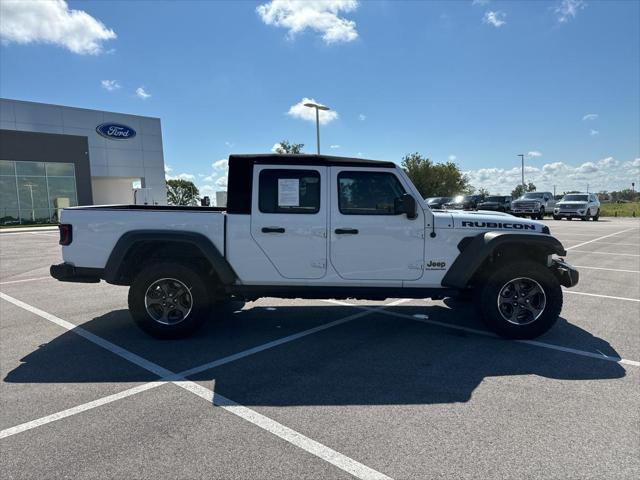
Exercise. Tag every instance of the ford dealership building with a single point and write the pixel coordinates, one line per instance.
(53, 156)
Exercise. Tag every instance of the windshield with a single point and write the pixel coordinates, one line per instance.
(494, 199)
(533, 195)
(575, 198)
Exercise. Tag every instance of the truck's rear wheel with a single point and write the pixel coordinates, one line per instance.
(168, 300)
(521, 300)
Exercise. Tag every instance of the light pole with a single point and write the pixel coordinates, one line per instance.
(33, 212)
(318, 107)
(521, 155)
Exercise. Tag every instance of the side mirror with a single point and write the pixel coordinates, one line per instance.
(406, 204)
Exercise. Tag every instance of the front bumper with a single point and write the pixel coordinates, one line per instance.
(65, 272)
(566, 273)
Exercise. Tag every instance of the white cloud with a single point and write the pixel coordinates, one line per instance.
(319, 15)
(334, 146)
(608, 162)
(53, 22)
(309, 114)
(452, 158)
(590, 116)
(604, 174)
(221, 164)
(167, 169)
(497, 18)
(207, 191)
(593, 132)
(568, 9)
(275, 147)
(362, 117)
(480, 2)
(222, 182)
(186, 176)
(110, 85)
(587, 167)
(142, 93)
(534, 154)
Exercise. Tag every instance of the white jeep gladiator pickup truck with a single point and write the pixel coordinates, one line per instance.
(310, 226)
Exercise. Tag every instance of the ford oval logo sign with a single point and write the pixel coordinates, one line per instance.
(115, 131)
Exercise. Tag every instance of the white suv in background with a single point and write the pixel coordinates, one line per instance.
(578, 205)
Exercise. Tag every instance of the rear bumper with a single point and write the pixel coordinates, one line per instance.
(567, 274)
(65, 272)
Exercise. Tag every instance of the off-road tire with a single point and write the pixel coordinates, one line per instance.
(488, 295)
(197, 294)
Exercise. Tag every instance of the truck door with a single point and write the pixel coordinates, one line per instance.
(289, 218)
(368, 240)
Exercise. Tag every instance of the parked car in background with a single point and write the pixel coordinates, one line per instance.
(437, 203)
(535, 204)
(465, 202)
(578, 205)
(496, 203)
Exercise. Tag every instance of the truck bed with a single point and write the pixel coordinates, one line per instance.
(96, 229)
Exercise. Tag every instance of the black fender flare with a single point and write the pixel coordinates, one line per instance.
(114, 266)
(479, 248)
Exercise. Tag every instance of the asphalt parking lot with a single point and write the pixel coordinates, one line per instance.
(321, 389)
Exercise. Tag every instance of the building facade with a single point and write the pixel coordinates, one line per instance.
(53, 156)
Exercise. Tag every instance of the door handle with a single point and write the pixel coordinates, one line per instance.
(272, 230)
(346, 231)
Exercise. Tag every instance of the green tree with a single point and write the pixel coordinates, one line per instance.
(285, 147)
(483, 191)
(435, 180)
(522, 189)
(182, 192)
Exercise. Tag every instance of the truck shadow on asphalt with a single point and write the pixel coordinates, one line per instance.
(374, 360)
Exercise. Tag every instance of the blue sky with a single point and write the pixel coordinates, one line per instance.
(474, 81)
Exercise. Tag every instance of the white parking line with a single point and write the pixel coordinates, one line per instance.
(608, 269)
(186, 373)
(26, 280)
(608, 253)
(486, 333)
(620, 244)
(335, 458)
(601, 238)
(601, 296)
(23, 427)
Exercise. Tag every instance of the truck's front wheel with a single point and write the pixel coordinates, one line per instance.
(521, 300)
(168, 300)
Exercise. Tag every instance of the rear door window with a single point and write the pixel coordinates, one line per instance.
(289, 191)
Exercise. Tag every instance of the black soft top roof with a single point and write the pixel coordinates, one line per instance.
(241, 172)
(307, 159)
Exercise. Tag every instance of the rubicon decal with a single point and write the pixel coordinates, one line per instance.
(510, 226)
(115, 131)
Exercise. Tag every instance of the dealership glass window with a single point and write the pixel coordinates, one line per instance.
(30, 168)
(33, 192)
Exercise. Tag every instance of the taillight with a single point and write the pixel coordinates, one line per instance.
(65, 234)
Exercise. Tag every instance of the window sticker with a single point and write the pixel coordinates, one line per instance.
(288, 192)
